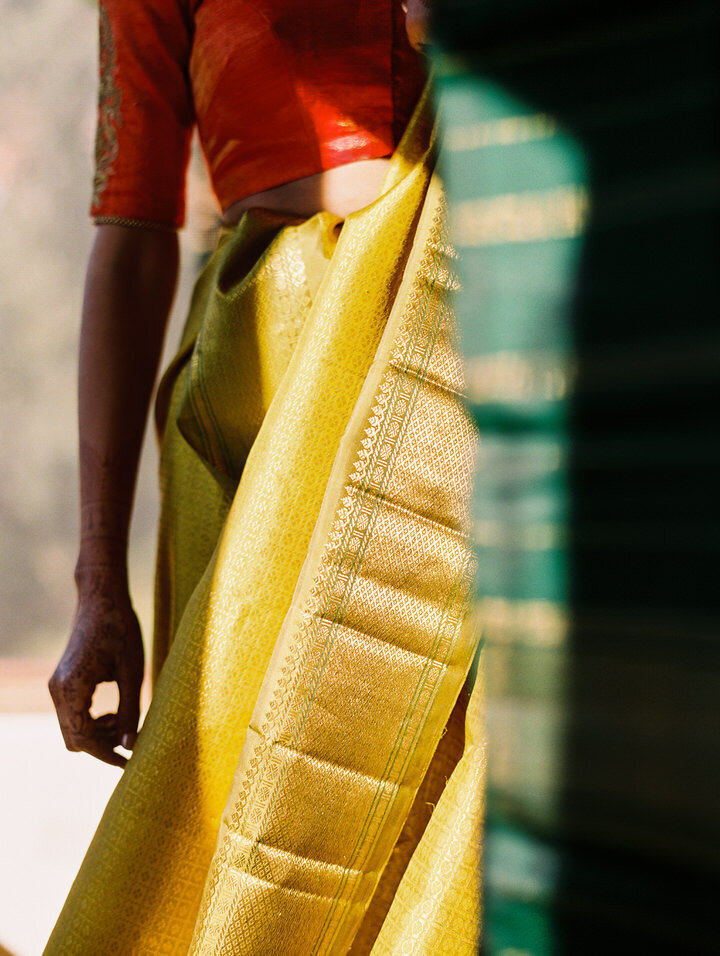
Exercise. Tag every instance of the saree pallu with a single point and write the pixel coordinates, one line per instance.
(313, 587)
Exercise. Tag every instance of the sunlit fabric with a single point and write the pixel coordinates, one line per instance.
(278, 90)
(315, 572)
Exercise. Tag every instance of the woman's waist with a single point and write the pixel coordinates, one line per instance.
(341, 191)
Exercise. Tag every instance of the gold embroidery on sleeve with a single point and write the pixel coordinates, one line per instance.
(109, 109)
(133, 223)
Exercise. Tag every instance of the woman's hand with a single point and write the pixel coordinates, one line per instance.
(417, 14)
(105, 645)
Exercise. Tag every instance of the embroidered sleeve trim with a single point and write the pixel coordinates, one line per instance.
(109, 108)
(135, 223)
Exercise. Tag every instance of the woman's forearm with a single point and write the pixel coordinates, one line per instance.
(130, 284)
(129, 288)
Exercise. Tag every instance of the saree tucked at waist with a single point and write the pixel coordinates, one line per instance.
(313, 581)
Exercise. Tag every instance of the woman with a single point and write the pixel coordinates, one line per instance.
(286, 573)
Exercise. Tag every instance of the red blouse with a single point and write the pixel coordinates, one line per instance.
(279, 89)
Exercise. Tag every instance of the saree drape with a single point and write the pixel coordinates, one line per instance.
(313, 589)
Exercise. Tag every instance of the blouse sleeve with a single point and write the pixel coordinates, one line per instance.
(145, 112)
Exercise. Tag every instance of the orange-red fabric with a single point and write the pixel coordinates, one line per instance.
(279, 89)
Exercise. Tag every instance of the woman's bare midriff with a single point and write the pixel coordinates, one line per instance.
(341, 191)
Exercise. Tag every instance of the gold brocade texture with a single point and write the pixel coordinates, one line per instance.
(371, 656)
(437, 908)
(110, 108)
(311, 611)
(248, 308)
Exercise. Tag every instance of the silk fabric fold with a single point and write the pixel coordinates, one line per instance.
(313, 586)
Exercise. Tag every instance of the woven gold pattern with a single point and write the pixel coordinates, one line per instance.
(437, 908)
(109, 108)
(314, 571)
(371, 659)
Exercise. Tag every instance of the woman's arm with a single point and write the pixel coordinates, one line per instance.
(130, 283)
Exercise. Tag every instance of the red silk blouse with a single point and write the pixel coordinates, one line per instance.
(279, 89)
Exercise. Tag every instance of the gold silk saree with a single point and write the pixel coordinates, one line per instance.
(288, 791)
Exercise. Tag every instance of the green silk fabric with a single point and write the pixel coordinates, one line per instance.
(580, 160)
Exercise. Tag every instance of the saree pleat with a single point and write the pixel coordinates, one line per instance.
(445, 759)
(312, 423)
(437, 907)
